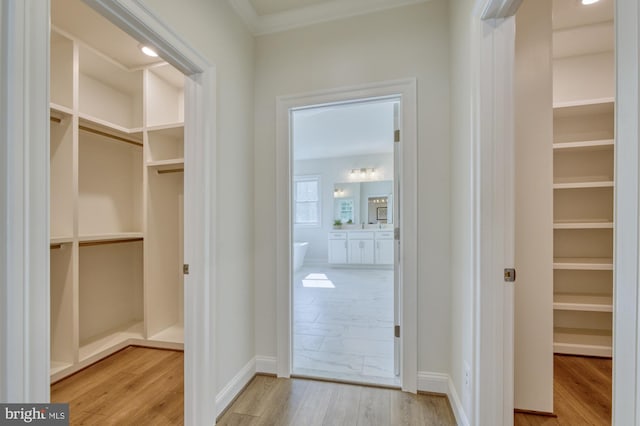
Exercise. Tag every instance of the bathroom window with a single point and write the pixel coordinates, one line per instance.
(306, 194)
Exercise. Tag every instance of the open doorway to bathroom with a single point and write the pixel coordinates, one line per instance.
(344, 256)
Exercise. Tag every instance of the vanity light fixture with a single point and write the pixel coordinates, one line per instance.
(363, 172)
(148, 51)
(588, 2)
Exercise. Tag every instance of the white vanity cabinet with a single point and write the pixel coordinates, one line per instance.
(384, 247)
(337, 247)
(361, 247)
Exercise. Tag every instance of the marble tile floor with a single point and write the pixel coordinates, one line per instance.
(343, 324)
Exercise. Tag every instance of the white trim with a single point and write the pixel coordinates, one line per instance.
(493, 223)
(24, 201)
(406, 90)
(266, 364)
(433, 382)
(496, 9)
(626, 330)
(456, 405)
(232, 389)
(313, 14)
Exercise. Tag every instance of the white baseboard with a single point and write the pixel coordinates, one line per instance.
(235, 386)
(433, 382)
(266, 364)
(442, 383)
(456, 405)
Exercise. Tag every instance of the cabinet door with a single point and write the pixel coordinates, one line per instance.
(337, 251)
(361, 252)
(384, 252)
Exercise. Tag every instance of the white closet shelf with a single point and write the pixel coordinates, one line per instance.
(59, 110)
(595, 145)
(166, 164)
(579, 341)
(583, 107)
(111, 128)
(583, 263)
(115, 237)
(583, 224)
(583, 182)
(168, 126)
(60, 240)
(583, 302)
(107, 342)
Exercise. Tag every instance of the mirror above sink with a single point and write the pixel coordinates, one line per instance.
(369, 203)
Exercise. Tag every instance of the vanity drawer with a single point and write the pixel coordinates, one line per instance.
(384, 235)
(361, 235)
(337, 235)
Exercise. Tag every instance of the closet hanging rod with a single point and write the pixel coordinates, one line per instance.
(100, 243)
(55, 246)
(55, 119)
(162, 172)
(108, 135)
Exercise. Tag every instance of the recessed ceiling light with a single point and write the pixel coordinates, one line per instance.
(148, 51)
(587, 2)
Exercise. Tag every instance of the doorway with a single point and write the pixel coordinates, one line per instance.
(344, 210)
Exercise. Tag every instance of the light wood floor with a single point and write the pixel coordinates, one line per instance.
(271, 401)
(582, 393)
(136, 386)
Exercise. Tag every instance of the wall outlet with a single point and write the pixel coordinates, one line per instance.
(467, 377)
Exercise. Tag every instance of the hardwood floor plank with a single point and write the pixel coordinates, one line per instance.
(314, 405)
(283, 402)
(344, 406)
(252, 400)
(582, 393)
(236, 419)
(374, 408)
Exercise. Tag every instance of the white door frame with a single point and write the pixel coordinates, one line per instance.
(24, 199)
(406, 91)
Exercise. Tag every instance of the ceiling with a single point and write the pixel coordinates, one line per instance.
(343, 130)
(83, 23)
(580, 29)
(269, 16)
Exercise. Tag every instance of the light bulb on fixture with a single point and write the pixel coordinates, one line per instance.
(148, 51)
(588, 2)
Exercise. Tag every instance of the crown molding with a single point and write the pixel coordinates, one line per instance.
(323, 12)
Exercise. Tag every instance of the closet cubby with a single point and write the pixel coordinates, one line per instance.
(117, 189)
(61, 69)
(108, 92)
(110, 295)
(583, 185)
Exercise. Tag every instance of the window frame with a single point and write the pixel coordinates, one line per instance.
(307, 178)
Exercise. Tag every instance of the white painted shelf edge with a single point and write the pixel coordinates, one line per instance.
(166, 163)
(110, 237)
(587, 224)
(173, 334)
(583, 263)
(584, 145)
(104, 342)
(60, 108)
(582, 302)
(583, 182)
(58, 366)
(60, 240)
(167, 126)
(583, 102)
(86, 118)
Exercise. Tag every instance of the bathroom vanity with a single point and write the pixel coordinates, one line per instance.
(361, 247)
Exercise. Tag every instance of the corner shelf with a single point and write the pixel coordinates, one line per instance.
(583, 263)
(110, 341)
(582, 302)
(167, 165)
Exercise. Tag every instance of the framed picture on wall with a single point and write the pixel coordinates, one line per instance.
(381, 213)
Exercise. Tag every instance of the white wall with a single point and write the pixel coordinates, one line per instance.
(411, 41)
(461, 198)
(583, 77)
(214, 29)
(533, 354)
(332, 171)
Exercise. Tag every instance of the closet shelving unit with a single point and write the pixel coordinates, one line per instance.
(116, 206)
(583, 227)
